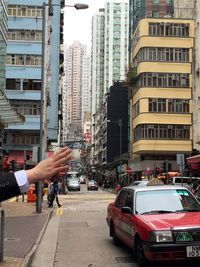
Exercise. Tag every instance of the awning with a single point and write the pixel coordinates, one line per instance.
(7, 114)
(18, 156)
(194, 159)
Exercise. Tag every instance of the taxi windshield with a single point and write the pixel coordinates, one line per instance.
(162, 201)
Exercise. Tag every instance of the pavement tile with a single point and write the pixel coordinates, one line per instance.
(23, 226)
(11, 262)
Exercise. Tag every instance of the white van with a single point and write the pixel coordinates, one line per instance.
(183, 181)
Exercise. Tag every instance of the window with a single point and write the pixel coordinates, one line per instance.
(159, 131)
(25, 11)
(129, 200)
(162, 54)
(157, 105)
(178, 105)
(25, 35)
(178, 80)
(30, 108)
(34, 60)
(25, 139)
(121, 199)
(169, 29)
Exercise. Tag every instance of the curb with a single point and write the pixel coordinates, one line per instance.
(29, 257)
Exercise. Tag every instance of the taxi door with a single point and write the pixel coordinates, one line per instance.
(117, 214)
(127, 225)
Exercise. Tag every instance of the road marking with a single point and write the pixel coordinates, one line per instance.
(70, 208)
(59, 211)
(13, 199)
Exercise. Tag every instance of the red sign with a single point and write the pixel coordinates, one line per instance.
(87, 136)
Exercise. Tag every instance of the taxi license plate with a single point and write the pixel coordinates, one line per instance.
(193, 251)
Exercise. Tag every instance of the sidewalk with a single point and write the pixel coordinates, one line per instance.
(24, 228)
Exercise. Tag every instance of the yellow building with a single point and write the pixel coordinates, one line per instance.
(160, 79)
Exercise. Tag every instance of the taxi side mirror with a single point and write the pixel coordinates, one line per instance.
(126, 210)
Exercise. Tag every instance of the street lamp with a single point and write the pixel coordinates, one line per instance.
(77, 6)
(47, 9)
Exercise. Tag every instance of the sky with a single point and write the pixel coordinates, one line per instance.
(78, 23)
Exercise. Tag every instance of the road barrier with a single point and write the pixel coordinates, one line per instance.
(2, 221)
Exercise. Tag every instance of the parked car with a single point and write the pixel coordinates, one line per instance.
(160, 223)
(92, 185)
(73, 184)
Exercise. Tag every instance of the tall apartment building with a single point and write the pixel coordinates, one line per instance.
(110, 33)
(75, 55)
(8, 115)
(160, 79)
(23, 72)
(86, 86)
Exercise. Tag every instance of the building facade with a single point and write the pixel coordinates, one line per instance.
(74, 58)
(160, 81)
(109, 61)
(8, 116)
(24, 71)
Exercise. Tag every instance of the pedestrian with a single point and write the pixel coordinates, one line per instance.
(14, 184)
(53, 193)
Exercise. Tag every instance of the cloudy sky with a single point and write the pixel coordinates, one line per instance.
(78, 22)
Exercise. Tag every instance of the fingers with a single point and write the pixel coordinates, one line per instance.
(62, 155)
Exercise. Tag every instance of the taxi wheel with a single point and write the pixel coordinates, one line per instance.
(116, 240)
(141, 260)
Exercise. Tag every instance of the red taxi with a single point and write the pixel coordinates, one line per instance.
(160, 223)
(92, 185)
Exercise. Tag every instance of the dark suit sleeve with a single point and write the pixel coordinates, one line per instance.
(8, 186)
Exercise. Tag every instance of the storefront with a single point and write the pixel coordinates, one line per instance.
(194, 165)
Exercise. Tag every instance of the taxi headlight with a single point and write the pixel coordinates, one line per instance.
(160, 236)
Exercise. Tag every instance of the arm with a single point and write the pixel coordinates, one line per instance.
(14, 184)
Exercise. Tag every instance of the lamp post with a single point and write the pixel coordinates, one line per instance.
(47, 9)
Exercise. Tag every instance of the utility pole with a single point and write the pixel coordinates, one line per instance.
(43, 116)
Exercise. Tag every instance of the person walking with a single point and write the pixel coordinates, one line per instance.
(53, 190)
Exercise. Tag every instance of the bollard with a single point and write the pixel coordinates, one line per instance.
(2, 219)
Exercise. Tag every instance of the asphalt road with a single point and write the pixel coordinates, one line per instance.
(77, 235)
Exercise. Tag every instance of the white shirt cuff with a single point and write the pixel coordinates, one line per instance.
(22, 181)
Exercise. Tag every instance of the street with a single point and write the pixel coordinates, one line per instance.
(77, 235)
